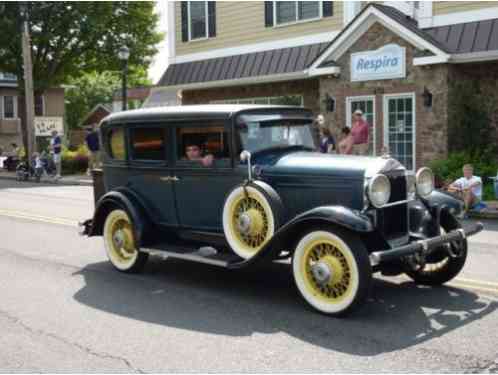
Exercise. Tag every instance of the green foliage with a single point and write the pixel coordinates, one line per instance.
(484, 162)
(74, 161)
(469, 117)
(69, 38)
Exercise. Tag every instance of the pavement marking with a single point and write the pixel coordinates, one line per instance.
(33, 217)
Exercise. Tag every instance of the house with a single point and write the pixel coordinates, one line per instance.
(91, 121)
(397, 61)
(49, 106)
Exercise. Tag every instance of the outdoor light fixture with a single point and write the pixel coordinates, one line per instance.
(329, 103)
(124, 55)
(427, 96)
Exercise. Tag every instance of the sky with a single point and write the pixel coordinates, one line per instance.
(160, 61)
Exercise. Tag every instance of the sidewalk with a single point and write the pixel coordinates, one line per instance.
(65, 180)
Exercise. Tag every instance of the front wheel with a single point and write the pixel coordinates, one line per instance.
(119, 242)
(440, 267)
(332, 271)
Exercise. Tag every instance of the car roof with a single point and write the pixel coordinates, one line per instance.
(215, 111)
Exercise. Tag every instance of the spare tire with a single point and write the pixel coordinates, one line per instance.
(251, 214)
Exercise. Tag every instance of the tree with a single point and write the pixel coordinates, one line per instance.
(70, 38)
(91, 89)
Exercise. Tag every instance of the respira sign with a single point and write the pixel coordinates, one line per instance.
(45, 125)
(385, 63)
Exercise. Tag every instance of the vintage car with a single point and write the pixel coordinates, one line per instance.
(236, 185)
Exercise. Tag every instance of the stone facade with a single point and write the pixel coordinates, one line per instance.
(307, 88)
(431, 122)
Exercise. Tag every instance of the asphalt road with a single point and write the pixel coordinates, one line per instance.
(63, 308)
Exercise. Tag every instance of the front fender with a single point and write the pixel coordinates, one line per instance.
(124, 200)
(324, 215)
(440, 198)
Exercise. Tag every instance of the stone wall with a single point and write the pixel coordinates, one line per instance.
(307, 88)
(431, 123)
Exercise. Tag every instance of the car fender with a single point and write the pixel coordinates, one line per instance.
(127, 200)
(324, 215)
(439, 198)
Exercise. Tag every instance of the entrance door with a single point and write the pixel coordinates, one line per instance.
(367, 105)
(399, 127)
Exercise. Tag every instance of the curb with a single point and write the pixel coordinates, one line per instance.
(48, 182)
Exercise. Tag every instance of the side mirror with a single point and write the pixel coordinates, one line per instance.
(246, 155)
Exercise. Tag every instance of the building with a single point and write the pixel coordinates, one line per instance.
(91, 121)
(49, 107)
(135, 98)
(397, 61)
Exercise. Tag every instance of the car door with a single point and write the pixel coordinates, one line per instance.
(150, 172)
(200, 188)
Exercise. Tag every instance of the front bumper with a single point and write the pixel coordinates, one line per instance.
(426, 246)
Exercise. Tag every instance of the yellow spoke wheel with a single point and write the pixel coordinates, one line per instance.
(248, 220)
(120, 243)
(331, 272)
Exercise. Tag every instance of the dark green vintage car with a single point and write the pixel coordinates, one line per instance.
(233, 186)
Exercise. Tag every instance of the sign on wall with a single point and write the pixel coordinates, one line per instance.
(385, 63)
(45, 125)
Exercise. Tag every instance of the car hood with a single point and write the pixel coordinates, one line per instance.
(314, 163)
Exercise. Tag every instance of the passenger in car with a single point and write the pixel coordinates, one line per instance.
(193, 153)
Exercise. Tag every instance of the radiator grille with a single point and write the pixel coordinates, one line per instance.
(393, 221)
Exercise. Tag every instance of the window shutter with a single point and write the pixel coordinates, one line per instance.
(212, 18)
(184, 21)
(327, 8)
(268, 13)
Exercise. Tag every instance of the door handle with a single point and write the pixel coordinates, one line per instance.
(174, 178)
(166, 178)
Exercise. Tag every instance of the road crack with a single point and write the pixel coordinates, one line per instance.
(83, 348)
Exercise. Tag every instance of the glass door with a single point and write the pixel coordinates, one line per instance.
(367, 105)
(399, 127)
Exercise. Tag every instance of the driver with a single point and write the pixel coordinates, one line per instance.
(193, 153)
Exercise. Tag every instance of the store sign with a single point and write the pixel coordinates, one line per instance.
(45, 125)
(385, 63)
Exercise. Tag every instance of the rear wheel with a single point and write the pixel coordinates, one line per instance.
(119, 241)
(332, 271)
(440, 267)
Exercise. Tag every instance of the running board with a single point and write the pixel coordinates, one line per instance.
(207, 255)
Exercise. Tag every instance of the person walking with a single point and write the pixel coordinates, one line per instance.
(327, 141)
(346, 144)
(56, 148)
(92, 143)
(359, 131)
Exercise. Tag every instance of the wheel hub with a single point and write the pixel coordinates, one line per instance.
(321, 272)
(119, 239)
(327, 271)
(250, 222)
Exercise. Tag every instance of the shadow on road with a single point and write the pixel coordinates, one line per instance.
(264, 300)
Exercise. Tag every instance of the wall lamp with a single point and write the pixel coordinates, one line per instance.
(329, 103)
(427, 96)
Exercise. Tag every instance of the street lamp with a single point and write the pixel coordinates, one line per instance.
(123, 55)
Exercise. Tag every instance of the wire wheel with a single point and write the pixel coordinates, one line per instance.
(332, 271)
(248, 221)
(120, 243)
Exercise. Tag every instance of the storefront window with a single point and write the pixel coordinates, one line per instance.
(294, 11)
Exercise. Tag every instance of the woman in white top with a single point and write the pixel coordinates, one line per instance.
(468, 187)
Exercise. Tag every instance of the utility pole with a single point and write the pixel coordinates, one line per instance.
(28, 86)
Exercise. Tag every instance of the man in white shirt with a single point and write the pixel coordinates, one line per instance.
(468, 187)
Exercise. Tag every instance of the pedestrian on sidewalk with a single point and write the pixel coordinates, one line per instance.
(56, 148)
(359, 131)
(92, 143)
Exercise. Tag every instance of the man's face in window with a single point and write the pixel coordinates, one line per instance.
(193, 152)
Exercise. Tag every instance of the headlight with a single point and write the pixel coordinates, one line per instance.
(410, 186)
(379, 190)
(425, 182)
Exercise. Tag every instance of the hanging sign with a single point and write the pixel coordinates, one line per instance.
(385, 63)
(45, 125)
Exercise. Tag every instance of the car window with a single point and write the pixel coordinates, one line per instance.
(116, 145)
(203, 146)
(147, 143)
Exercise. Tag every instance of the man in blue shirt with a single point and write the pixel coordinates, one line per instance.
(56, 147)
(92, 143)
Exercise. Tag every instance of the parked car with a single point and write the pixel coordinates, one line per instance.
(234, 186)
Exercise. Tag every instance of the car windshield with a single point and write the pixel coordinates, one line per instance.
(259, 133)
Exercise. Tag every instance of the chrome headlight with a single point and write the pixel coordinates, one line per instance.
(425, 182)
(411, 186)
(379, 190)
